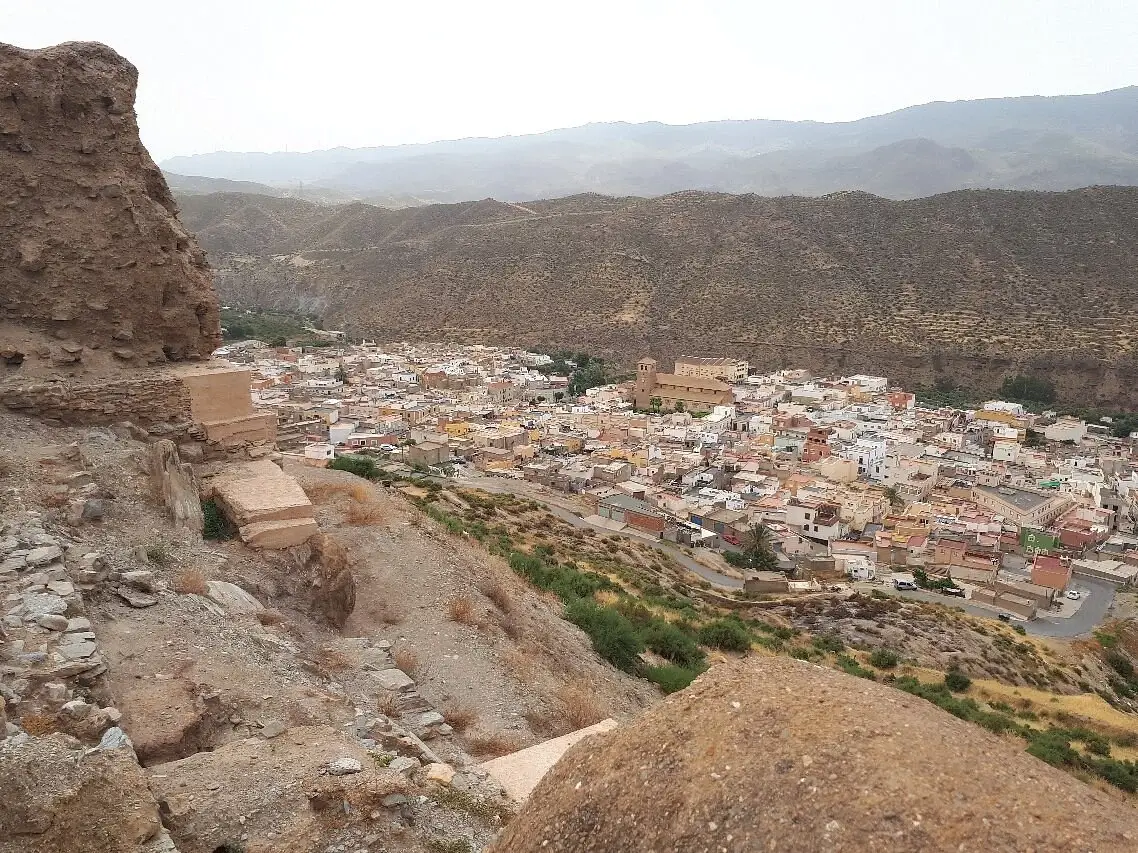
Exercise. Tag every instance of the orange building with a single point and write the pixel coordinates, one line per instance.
(1051, 572)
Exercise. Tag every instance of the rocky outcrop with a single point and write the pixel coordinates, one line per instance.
(779, 754)
(174, 484)
(96, 272)
(61, 798)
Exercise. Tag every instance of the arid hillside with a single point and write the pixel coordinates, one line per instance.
(970, 286)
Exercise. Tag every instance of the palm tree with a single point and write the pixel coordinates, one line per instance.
(893, 496)
(758, 539)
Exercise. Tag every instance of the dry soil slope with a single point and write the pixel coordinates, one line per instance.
(778, 754)
(971, 285)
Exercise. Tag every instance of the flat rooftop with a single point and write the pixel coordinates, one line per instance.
(1018, 498)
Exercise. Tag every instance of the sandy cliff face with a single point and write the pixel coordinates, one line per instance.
(96, 272)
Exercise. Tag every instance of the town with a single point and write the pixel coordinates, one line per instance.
(840, 481)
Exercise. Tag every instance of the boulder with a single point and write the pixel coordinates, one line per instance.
(233, 598)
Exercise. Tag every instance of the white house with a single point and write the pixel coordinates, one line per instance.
(1066, 429)
(321, 451)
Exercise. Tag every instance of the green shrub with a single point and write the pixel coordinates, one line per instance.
(1120, 663)
(1106, 639)
(772, 643)
(613, 637)
(883, 658)
(829, 643)
(727, 634)
(671, 678)
(361, 466)
(1052, 746)
(566, 582)
(852, 667)
(216, 526)
(670, 642)
(957, 682)
(1019, 629)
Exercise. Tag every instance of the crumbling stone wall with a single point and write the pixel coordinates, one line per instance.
(96, 272)
(147, 398)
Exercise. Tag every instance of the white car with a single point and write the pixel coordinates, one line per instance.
(1073, 595)
(388, 448)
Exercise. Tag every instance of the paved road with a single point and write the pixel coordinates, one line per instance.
(1088, 617)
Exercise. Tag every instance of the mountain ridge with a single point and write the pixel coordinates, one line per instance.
(965, 287)
(1027, 142)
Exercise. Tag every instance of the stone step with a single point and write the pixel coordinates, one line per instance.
(247, 428)
(286, 533)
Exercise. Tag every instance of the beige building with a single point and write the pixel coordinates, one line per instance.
(725, 369)
(1021, 507)
(693, 393)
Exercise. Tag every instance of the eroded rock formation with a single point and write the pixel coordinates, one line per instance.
(96, 272)
(779, 754)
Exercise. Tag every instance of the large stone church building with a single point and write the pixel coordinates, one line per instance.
(694, 393)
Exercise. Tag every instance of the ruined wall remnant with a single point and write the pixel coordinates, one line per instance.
(96, 272)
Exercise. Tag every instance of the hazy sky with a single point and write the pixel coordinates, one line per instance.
(266, 75)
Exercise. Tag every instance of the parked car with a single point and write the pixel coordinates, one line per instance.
(954, 591)
(898, 584)
(1074, 595)
(1004, 617)
(388, 448)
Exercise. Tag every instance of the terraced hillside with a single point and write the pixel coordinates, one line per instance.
(970, 286)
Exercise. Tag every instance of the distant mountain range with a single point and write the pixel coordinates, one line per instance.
(1028, 143)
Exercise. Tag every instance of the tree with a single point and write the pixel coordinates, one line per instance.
(757, 538)
(679, 405)
(656, 404)
(1031, 388)
(558, 396)
(341, 374)
(893, 496)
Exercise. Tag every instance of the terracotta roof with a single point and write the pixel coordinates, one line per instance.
(697, 382)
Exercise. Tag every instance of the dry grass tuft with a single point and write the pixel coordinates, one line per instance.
(386, 703)
(362, 514)
(511, 626)
(270, 617)
(332, 660)
(520, 664)
(460, 717)
(406, 660)
(190, 582)
(498, 594)
(494, 745)
(390, 613)
(38, 725)
(461, 610)
(581, 708)
(541, 724)
(325, 492)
